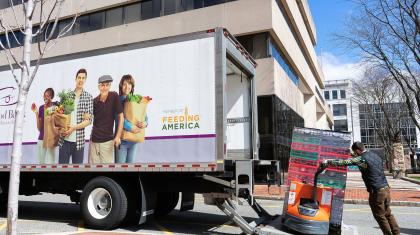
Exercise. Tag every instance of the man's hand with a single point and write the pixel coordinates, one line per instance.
(69, 131)
(324, 163)
(117, 141)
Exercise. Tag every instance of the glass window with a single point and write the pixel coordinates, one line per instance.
(4, 4)
(260, 46)
(343, 94)
(208, 3)
(50, 27)
(340, 125)
(81, 25)
(114, 17)
(171, 6)
(327, 95)
(97, 21)
(150, 9)
(334, 95)
(132, 13)
(3, 41)
(339, 109)
(198, 4)
(187, 5)
(34, 39)
(64, 25)
(15, 39)
(279, 57)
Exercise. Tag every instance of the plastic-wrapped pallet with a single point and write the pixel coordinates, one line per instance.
(309, 147)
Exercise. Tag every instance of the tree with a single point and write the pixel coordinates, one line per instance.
(47, 33)
(387, 33)
(380, 98)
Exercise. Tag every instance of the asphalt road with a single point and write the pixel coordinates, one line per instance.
(52, 214)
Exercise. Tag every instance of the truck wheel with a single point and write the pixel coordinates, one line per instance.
(103, 203)
(165, 202)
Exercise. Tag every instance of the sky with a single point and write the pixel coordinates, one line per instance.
(329, 17)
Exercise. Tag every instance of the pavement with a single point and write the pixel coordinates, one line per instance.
(403, 192)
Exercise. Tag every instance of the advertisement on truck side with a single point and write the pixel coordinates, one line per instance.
(174, 88)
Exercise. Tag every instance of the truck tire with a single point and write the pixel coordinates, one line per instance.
(133, 205)
(165, 203)
(103, 203)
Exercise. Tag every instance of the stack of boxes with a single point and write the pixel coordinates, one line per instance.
(311, 146)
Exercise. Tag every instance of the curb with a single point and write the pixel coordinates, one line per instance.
(411, 180)
(346, 201)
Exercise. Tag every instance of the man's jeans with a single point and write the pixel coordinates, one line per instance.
(379, 202)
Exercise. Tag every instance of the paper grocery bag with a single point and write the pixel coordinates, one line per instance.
(50, 137)
(135, 112)
(62, 121)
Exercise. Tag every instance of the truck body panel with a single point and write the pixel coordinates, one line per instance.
(198, 83)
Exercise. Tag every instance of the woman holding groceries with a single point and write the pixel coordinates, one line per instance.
(46, 154)
(126, 153)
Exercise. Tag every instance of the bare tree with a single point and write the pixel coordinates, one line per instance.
(380, 97)
(19, 59)
(387, 33)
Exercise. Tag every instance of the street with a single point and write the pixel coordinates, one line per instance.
(55, 214)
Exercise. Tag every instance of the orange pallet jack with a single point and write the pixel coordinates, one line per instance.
(309, 207)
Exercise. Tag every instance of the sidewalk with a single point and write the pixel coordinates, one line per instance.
(403, 193)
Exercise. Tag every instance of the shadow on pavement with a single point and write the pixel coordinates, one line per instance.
(410, 231)
(189, 222)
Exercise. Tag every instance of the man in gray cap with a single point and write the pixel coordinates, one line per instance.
(105, 106)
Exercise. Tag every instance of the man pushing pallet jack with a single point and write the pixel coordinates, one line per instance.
(372, 169)
(309, 206)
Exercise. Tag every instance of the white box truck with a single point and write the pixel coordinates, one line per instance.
(201, 134)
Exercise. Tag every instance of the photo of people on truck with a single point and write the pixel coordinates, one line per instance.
(100, 119)
(47, 139)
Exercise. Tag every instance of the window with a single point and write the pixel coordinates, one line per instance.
(198, 4)
(340, 125)
(81, 25)
(97, 21)
(114, 17)
(150, 9)
(64, 25)
(141, 10)
(171, 6)
(343, 94)
(334, 95)
(187, 5)
(339, 109)
(132, 13)
(255, 44)
(213, 2)
(280, 58)
(327, 95)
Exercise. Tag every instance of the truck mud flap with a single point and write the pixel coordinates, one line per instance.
(148, 202)
(187, 201)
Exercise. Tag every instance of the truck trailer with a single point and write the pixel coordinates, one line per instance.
(201, 135)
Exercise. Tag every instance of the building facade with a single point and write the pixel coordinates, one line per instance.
(280, 34)
(371, 117)
(338, 95)
(358, 118)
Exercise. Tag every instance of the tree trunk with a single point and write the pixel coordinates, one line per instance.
(398, 166)
(13, 197)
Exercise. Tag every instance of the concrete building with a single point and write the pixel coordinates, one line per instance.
(280, 34)
(355, 118)
(338, 95)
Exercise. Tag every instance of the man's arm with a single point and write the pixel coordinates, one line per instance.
(354, 161)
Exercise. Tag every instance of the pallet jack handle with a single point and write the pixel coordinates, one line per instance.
(320, 170)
